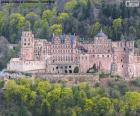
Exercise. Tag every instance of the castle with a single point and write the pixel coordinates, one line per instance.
(64, 54)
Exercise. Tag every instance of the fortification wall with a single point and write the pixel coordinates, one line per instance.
(19, 65)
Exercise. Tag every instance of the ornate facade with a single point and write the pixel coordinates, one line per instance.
(64, 54)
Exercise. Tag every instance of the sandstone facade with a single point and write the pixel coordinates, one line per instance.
(64, 54)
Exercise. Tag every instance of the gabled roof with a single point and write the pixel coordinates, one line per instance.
(63, 37)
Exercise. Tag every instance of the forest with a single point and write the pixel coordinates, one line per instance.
(81, 17)
(37, 97)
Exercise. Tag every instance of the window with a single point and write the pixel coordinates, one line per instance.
(70, 71)
(53, 61)
(124, 49)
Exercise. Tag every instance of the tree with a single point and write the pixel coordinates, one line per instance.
(70, 5)
(63, 16)
(89, 105)
(137, 43)
(104, 106)
(43, 87)
(132, 100)
(67, 95)
(84, 2)
(94, 29)
(32, 17)
(1, 21)
(56, 29)
(47, 15)
(17, 20)
(10, 89)
(116, 25)
(3, 52)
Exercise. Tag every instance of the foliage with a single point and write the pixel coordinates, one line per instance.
(94, 29)
(17, 20)
(137, 43)
(63, 16)
(117, 23)
(56, 29)
(84, 17)
(70, 5)
(39, 98)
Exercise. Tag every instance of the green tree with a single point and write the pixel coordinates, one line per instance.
(43, 87)
(1, 21)
(10, 89)
(117, 25)
(47, 15)
(137, 43)
(56, 29)
(89, 105)
(94, 29)
(132, 100)
(104, 106)
(32, 17)
(17, 20)
(70, 5)
(63, 16)
(16, 25)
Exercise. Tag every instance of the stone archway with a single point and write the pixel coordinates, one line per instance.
(76, 69)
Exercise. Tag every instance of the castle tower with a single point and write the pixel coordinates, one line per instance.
(121, 58)
(27, 46)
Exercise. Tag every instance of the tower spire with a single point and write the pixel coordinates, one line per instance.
(101, 30)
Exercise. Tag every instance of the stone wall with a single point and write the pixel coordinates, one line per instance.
(23, 66)
(69, 79)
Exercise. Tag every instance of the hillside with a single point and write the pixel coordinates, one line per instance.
(82, 17)
(27, 97)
